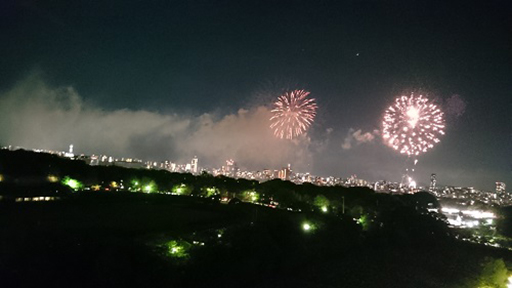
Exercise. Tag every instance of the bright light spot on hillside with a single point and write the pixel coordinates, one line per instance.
(72, 183)
(177, 249)
(307, 227)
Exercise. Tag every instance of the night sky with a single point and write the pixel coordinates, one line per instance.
(167, 80)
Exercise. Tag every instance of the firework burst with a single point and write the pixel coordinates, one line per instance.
(412, 125)
(293, 113)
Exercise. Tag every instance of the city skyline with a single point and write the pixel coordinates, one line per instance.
(174, 80)
(283, 172)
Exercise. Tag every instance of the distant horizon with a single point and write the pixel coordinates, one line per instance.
(424, 185)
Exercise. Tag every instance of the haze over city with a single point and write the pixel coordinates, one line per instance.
(200, 78)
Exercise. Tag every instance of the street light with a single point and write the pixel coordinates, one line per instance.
(308, 227)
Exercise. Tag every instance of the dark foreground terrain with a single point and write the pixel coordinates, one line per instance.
(150, 240)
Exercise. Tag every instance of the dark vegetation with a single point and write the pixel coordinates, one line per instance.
(121, 239)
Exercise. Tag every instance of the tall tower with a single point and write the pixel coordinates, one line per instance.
(70, 152)
(193, 166)
(433, 182)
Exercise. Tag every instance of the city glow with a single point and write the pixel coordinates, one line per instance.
(468, 218)
(477, 214)
(53, 178)
(306, 227)
(324, 209)
(293, 113)
(450, 210)
(412, 125)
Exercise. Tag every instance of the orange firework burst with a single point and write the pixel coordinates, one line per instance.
(293, 113)
(412, 125)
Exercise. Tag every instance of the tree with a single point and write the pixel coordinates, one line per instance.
(321, 201)
(494, 274)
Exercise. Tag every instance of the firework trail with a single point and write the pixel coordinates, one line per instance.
(412, 125)
(293, 113)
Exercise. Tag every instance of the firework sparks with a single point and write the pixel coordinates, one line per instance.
(293, 113)
(412, 125)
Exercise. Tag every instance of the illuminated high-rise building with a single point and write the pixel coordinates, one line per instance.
(500, 187)
(285, 173)
(193, 165)
(433, 182)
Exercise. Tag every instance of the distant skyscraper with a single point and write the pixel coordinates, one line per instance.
(500, 187)
(95, 160)
(193, 165)
(285, 173)
(433, 182)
